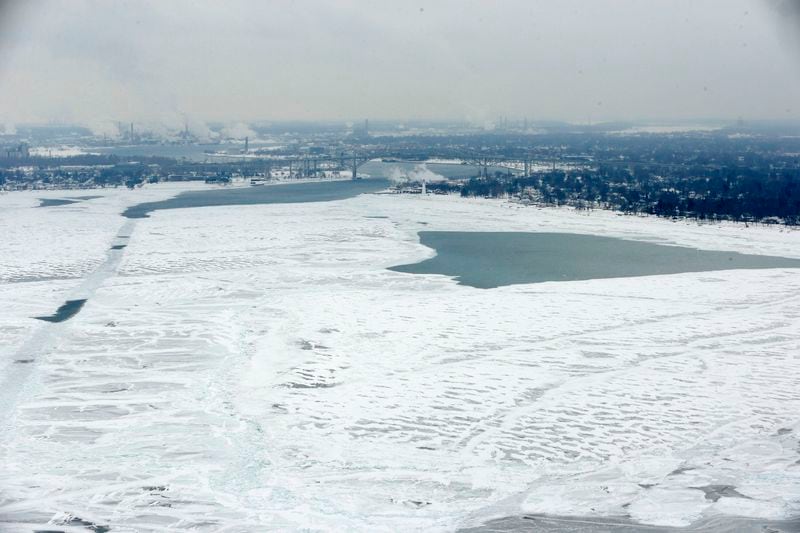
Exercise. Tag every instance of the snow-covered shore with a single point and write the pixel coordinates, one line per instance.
(245, 368)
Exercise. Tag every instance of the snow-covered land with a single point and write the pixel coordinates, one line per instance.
(254, 368)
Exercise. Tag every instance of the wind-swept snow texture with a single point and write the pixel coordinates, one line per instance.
(258, 368)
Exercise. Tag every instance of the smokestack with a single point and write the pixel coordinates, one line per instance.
(131, 131)
(246, 144)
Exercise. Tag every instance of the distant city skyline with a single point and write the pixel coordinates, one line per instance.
(177, 63)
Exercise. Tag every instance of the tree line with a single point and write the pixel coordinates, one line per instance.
(743, 194)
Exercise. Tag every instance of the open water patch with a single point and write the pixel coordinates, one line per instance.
(69, 309)
(493, 259)
(55, 202)
(317, 191)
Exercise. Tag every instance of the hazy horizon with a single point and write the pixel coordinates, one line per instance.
(95, 63)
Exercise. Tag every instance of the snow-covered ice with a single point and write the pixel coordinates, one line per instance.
(250, 368)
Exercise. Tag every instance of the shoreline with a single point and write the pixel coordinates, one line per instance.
(507, 216)
(505, 201)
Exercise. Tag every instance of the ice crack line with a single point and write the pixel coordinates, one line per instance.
(17, 382)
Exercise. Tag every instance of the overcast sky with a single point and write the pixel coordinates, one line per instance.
(87, 61)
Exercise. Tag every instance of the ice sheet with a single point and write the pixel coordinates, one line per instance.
(256, 367)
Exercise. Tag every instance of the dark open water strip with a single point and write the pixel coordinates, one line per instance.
(65, 312)
(323, 191)
(487, 260)
(54, 202)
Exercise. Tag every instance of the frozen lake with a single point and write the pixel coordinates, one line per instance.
(258, 366)
(493, 259)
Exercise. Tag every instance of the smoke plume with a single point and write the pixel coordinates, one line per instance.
(420, 173)
(239, 130)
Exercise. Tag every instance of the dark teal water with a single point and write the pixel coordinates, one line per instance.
(493, 259)
(318, 191)
(321, 191)
(54, 202)
(65, 312)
